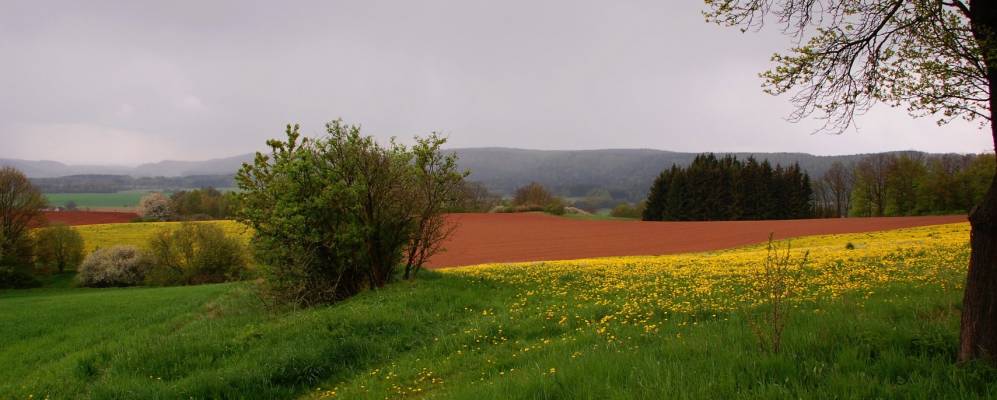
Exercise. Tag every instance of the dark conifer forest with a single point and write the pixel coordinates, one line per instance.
(726, 188)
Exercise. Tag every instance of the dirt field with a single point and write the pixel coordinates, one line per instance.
(88, 217)
(486, 238)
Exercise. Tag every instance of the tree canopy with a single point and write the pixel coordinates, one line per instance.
(920, 54)
(934, 57)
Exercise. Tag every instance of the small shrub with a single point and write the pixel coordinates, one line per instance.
(195, 254)
(113, 266)
(849, 246)
(625, 210)
(554, 206)
(774, 288)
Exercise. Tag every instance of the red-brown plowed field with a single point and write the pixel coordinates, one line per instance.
(88, 217)
(487, 238)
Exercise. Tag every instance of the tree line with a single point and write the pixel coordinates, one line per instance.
(903, 184)
(726, 188)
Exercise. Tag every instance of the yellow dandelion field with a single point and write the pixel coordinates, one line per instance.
(639, 290)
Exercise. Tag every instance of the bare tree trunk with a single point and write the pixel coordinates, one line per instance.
(978, 336)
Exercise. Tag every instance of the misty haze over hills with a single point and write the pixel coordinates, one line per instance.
(627, 173)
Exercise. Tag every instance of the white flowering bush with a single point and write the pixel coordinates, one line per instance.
(113, 266)
(155, 206)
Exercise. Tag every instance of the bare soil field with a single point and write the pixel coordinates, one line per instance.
(88, 217)
(488, 238)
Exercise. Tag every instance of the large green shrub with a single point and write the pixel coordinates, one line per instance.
(195, 254)
(113, 266)
(58, 246)
(333, 216)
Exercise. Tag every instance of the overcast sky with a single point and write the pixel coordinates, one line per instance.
(130, 82)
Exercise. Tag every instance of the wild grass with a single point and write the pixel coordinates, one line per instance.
(879, 321)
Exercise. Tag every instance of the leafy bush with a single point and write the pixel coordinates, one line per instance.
(195, 254)
(58, 246)
(554, 206)
(533, 194)
(535, 197)
(113, 266)
(335, 215)
(625, 210)
(16, 278)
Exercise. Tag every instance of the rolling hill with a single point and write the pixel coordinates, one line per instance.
(626, 173)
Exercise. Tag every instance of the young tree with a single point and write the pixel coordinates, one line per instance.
(60, 246)
(21, 204)
(904, 176)
(936, 57)
(438, 186)
(871, 177)
(838, 181)
(657, 196)
(475, 197)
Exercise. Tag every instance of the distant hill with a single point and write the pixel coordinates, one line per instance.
(53, 169)
(626, 173)
(50, 169)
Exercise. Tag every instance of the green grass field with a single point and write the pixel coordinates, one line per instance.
(127, 199)
(880, 321)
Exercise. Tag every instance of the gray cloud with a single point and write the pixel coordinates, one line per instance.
(124, 82)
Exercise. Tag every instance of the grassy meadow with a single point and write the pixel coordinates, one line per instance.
(874, 321)
(127, 199)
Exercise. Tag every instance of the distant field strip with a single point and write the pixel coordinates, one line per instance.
(138, 234)
(96, 200)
